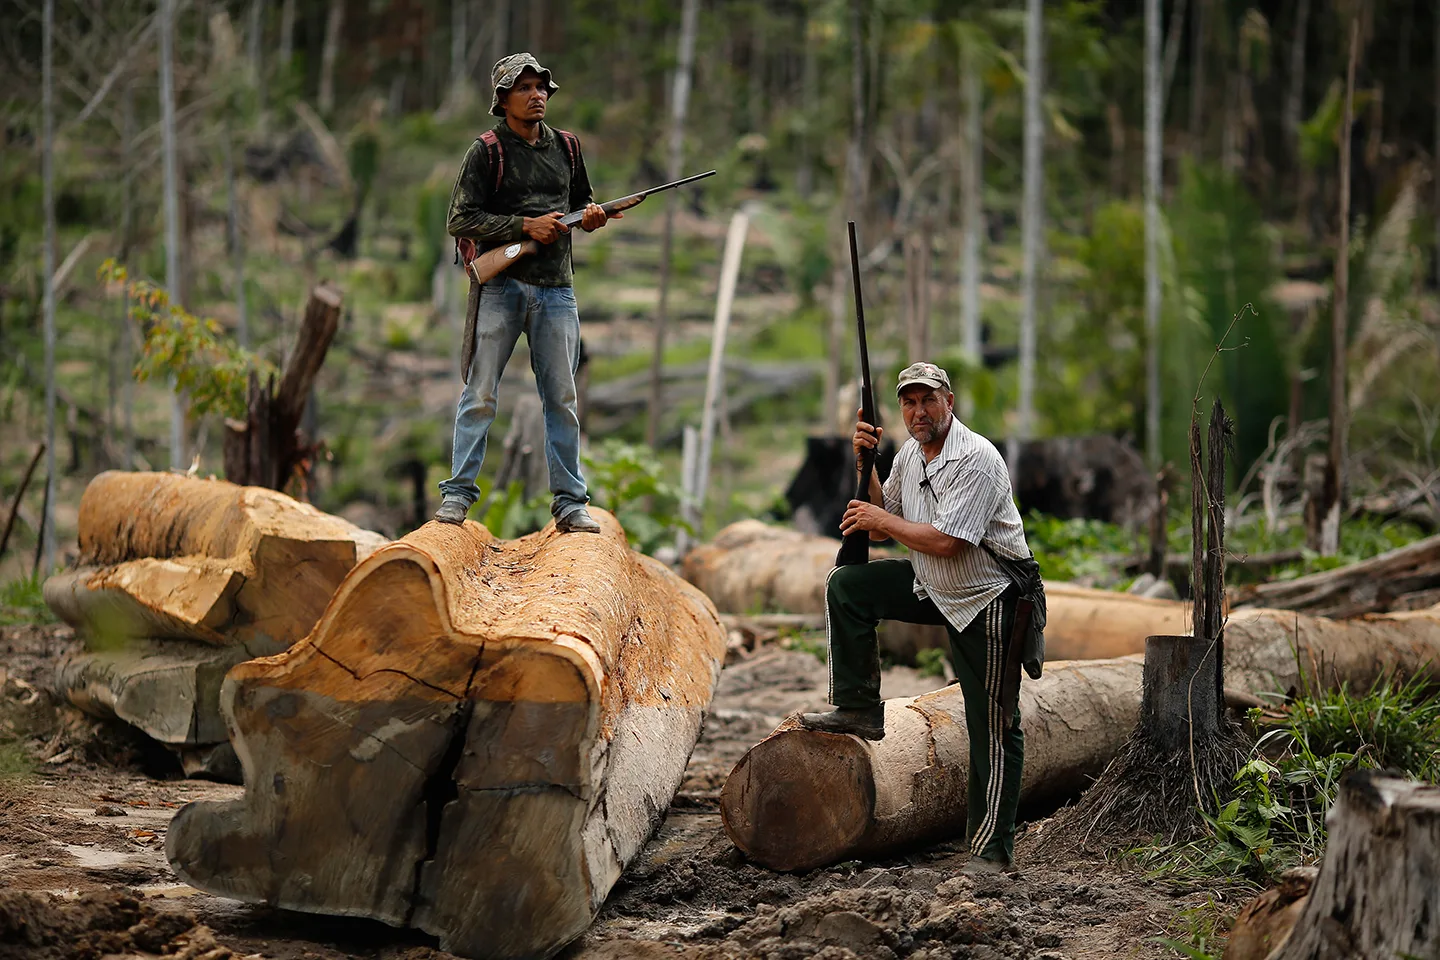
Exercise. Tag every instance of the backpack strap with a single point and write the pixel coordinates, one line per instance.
(495, 151)
(572, 147)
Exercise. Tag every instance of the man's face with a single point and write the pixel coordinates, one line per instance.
(527, 98)
(926, 411)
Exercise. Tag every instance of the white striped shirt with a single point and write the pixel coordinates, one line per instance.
(963, 492)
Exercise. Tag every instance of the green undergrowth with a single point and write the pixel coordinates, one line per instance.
(1276, 818)
(22, 601)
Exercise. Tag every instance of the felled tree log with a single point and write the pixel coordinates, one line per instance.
(265, 449)
(1371, 586)
(752, 567)
(182, 578)
(475, 740)
(1376, 895)
(801, 799)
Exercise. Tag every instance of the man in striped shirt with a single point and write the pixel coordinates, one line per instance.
(948, 500)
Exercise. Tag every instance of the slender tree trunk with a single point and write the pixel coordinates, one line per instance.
(255, 45)
(679, 106)
(1295, 95)
(47, 94)
(1339, 327)
(127, 229)
(809, 93)
(1032, 223)
(1197, 75)
(972, 186)
(1154, 105)
(499, 31)
(715, 378)
(1172, 53)
(287, 34)
(334, 23)
(237, 244)
(459, 61)
(172, 211)
(854, 202)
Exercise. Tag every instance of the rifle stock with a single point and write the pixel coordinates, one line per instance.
(490, 264)
(855, 548)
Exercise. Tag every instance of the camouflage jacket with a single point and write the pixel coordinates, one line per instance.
(535, 179)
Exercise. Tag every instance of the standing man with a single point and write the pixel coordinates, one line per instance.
(947, 499)
(517, 181)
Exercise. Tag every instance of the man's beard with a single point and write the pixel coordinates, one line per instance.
(926, 432)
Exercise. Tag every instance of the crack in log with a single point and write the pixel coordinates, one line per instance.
(415, 680)
(439, 790)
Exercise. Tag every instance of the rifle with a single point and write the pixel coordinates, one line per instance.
(856, 546)
(492, 263)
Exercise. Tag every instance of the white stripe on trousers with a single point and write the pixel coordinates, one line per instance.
(994, 685)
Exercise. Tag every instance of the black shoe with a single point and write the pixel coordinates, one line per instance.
(865, 722)
(452, 511)
(578, 521)
(985, 867)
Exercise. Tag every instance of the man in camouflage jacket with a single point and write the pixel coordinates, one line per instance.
(517, 181)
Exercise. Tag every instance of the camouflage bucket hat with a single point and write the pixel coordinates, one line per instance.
(507, 70)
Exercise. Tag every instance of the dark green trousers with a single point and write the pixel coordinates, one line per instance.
(857, 598)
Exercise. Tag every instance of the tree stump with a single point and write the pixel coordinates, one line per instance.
(1181, 698)
(475, 740)
(265, 449)
(1377, 896)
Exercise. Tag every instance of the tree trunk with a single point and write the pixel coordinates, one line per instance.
(972, 185)
(334, 23)
(47, 520)
(1197, 75)
(1370, 586)
(1376, 894)
(476, 740)
(1295, 94)
(1334, 493)
(287, 34)
(1154, 147)
(237, 244)
(172, 212)
(1182, 699)
(679, 106)
(266, 448)
(1032, 222)
(801, 799)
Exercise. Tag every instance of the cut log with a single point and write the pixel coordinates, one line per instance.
(168, 556)
(1370, 586)
(1376, 895)
(751, 567)
(1266, 921)
(475, 740)
(801, 799)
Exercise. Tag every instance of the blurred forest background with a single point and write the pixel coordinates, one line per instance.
(317, 140)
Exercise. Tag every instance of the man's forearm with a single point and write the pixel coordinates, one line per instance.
(485, 227)
(920, 537)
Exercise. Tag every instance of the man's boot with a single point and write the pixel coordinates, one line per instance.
(865, 722)
(452, 510)
(577, 521)
(978, 866)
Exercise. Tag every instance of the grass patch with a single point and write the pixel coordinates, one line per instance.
(22, 601)
(1071, 549)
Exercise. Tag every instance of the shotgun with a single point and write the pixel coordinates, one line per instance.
(856, 546)
(490, 264)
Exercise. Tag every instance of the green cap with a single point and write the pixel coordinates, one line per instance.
(507, 70)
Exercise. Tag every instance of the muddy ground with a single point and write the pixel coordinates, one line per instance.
(83, 873)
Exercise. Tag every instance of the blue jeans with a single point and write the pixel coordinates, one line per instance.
(551, 323)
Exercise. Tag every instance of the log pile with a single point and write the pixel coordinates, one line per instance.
(751, 567)
(475, 740)
(802, 799)
(1407, 578)
(180, 579)
(1375, 895)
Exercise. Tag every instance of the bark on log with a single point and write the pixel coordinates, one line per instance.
(475, 740)
(752, 567)
(168, 556)
(1371, 586)
(801, 799)
(1376, 895)
(266, 448)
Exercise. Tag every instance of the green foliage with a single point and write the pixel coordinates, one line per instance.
(1276, 816)
(627, 480)
(509, 515)
(211, 370)
(1069, 549)
(1361, 538)
(22, 601)
(931, 662)
(807, 643)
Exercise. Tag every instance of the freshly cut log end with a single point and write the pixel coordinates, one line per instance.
(475, 740)
(1376, 895)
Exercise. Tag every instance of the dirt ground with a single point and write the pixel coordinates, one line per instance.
(83, 872)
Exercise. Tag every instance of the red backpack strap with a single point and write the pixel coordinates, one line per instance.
(495, 151)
